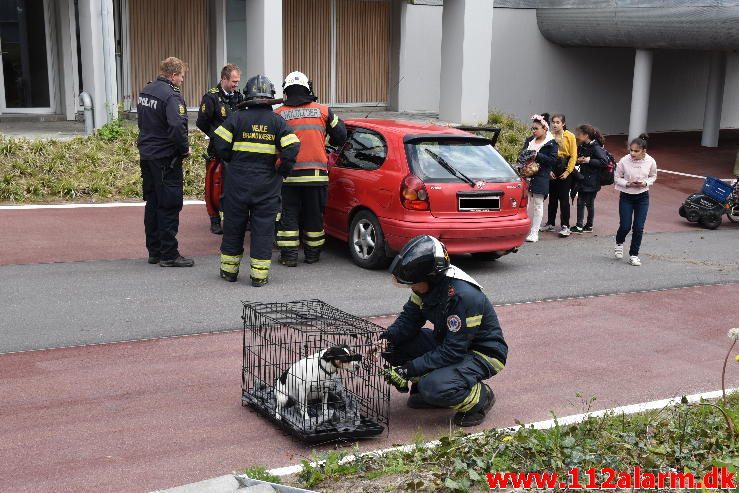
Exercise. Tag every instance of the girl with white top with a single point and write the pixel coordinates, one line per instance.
(635, 173)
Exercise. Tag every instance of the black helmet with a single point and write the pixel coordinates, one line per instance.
(259, 87)
(423, 258)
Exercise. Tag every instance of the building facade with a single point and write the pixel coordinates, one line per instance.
(458, 58)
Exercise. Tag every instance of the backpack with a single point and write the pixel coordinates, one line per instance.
(606, 173)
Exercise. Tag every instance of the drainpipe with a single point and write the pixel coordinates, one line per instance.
(86, 102)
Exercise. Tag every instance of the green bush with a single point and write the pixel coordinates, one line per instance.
(102, 167)
(512, 135)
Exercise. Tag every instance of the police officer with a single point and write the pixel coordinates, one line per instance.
(219, 102)
(447, 364)
(163, 144)
(250, 141)
(304, 191)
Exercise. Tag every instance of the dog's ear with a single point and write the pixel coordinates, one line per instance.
(334, 352)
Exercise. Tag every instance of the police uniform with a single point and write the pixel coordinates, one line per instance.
(162, 143)
(304, 191)
(215, 107)
(251, 141)
(465, 347)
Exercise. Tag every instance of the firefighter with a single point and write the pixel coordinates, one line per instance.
(304, 191)
(163, 145)
(446, 365)
(251, 141)
(219, 102)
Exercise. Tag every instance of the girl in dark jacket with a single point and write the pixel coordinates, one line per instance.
(542, 142)
(590, 158)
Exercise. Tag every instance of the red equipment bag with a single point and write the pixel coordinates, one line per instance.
(213, 186)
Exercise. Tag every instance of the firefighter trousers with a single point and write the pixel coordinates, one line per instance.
(302, 210)
(456, 386)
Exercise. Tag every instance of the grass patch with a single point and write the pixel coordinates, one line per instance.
(261, 473)
(101, 167)
(685, 437)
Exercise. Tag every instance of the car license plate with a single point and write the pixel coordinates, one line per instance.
(479, 202)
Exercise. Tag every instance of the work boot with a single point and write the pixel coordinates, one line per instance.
(153, 259)
(180, 261)
(215, 226)
(415, 401)
(258, 283)
(289, 258)
(229, 276)
(476, 415)
(312, 255)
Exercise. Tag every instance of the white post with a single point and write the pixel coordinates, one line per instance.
(218, 51)
(640, 93)
(714, 99)
(98, 76)
(466, 44)
(68, 47)
(264, 41)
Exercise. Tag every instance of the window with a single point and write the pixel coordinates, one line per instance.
(442, 161)
(363, 150)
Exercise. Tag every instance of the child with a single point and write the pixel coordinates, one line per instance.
(590, 158)
(635, 173)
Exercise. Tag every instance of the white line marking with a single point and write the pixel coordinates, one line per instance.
(660, 170)
(539, 425)
(86, 206)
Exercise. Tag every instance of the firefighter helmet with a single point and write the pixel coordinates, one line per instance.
(423, 258)
(297, 79)
(259, 87)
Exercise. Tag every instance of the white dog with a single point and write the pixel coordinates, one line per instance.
(313, 378)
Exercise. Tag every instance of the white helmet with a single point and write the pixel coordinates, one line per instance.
(297, 79)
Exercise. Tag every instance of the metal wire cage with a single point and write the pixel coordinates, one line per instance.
(290, 375)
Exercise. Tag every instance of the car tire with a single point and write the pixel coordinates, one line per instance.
(681, 211)
(487, 256)
(711, 220)
(367, 241)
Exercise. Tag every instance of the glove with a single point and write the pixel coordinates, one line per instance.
(384, 335)
(397, 376)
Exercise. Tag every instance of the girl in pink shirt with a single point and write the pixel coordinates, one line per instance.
(635, 173)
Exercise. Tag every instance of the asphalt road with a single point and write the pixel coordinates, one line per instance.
(66, 304)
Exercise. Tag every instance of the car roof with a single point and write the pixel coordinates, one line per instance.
(403, 127)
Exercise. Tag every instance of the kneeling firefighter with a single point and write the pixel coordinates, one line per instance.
(251, 141)
(304, 191)
(446, 365)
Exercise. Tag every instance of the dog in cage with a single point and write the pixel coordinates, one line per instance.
(314, 378)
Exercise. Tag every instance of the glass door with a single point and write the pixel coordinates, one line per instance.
(25, 56)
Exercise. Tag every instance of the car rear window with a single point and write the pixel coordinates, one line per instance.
(474, 158)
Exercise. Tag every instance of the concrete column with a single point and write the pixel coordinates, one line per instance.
(97, 41)
(466, 43)
(264, 41)
(640, 93)
(218, 38)
(714, 99)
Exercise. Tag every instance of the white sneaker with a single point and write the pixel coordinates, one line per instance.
(564, 232)
(532, 238)
(549, 228)
(634, 260)
(619, 251)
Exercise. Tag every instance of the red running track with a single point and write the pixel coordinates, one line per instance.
(139, 416)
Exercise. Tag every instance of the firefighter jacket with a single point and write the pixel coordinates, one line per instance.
(251, 140)
(311, 122)
(215, 107)
(464, 322)
(162, 120)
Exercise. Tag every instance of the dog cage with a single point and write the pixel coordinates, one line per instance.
(307, 367)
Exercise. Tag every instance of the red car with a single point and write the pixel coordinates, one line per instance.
(393, 180)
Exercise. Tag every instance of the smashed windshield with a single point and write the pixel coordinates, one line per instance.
(431, 161)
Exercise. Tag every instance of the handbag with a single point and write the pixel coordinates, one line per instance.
(526, 165)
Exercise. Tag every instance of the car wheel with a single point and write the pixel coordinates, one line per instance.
(711, 220)
(681, 211)
(486, 256)
(367, 242)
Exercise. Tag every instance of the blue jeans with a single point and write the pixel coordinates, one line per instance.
(636, 207)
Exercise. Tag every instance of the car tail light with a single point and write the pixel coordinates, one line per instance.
(413, 194)
(524, 196)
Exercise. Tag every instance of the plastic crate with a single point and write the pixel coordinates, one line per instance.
(716, 189)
